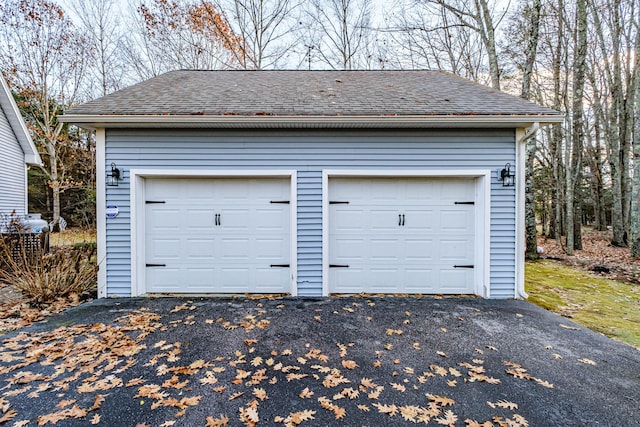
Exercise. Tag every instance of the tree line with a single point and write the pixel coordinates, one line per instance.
(579, 57)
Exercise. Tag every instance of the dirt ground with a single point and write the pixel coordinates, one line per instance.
(597, 256)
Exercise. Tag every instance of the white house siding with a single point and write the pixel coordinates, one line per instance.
(311, 152)
(12, 170)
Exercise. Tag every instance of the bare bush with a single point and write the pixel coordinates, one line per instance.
(45, 277)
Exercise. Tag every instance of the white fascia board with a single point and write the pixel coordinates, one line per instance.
(19, 127)
(435, 121)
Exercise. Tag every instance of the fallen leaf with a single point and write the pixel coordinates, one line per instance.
(390, 410)
(449, 419)
(249, 416)
(9, 415)
(349, 364)
(260, 393)
(398, 387)
(306, 393)
(506, 405)
(587, 361)
(440, 400)
(217, 422)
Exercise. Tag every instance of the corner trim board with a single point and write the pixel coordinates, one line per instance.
(101, 221)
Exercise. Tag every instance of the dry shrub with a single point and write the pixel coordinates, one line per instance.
(45, 277)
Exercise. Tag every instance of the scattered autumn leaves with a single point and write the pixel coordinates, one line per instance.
(84, 365)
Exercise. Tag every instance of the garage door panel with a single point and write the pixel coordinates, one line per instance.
(271, 220)
(419, 220)
(234, 249)
(161, 220)
(164, 279)
(196, 219)
(349, 219)
(455, 250)
(199, 248)
(402, 235)
(163, 248)
(455, 281)
(381, 220)
(350, 249)
(217, 235)
(271, 249)
(384, 250)
(419, 253)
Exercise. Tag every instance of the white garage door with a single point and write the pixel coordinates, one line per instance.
(401, 235)
(217, 235)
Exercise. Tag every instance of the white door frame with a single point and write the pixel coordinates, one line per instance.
(482, 219)
(138, 225)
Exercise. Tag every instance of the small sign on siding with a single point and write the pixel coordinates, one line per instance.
(112, 211)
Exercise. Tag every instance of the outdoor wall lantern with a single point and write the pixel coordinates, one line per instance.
(114, 176)
(507, 177)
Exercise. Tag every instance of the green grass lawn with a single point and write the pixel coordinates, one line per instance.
(606, 306)
(71, 237)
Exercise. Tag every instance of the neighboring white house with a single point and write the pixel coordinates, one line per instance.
(311, 183)
(17, 150)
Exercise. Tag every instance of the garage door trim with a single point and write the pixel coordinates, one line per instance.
(138, 225)
(482, 224)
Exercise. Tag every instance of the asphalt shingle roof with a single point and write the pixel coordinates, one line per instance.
(309, 93)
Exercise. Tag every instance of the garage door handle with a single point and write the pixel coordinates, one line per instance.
(217, 220)
(401, 220)
(155, 265)
(463, 266)
(338, 266)
(280, 265)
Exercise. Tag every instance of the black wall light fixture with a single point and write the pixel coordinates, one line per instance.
(114, 176)
(507, 177)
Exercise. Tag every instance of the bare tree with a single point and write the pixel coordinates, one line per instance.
(613, 24)
(531, 13)
(101, 25)
(339, 32)
(478, 16)
(425, 35)
(174, 34)
(45, 59)
(575, 144)
(635, 199)
(264, 29)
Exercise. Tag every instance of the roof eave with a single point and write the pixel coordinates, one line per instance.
(18, 125)
(94, 121)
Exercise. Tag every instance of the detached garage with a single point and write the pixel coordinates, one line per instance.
(311, 183)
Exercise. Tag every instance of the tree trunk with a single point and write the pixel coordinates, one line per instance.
(577, 130)
(485, 21)
(530, 203)
(555, 146)
(635, 197)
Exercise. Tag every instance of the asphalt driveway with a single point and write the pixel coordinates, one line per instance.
(315, 362)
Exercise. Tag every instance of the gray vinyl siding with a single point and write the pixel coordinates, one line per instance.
(12, 170)
(309, 153)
